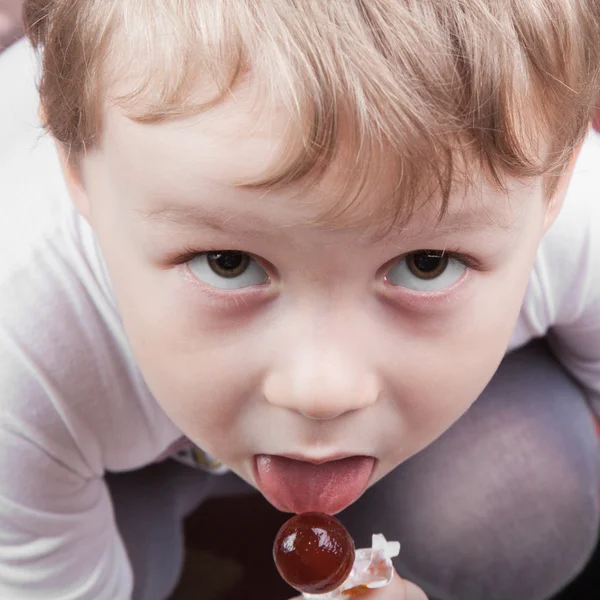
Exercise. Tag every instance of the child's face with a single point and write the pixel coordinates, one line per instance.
(311, 344)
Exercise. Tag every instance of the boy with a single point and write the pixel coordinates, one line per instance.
(302, 236)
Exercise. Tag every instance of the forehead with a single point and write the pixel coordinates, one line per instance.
(239, 128)
(180, 167)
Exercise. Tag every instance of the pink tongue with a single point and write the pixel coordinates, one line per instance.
(298, 486)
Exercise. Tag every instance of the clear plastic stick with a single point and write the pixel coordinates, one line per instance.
(372, 569)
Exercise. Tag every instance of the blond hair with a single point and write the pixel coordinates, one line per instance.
(426, 84)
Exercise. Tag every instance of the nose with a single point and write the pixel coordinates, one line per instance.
(321, 385)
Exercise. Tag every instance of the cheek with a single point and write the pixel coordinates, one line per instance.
(200, 368)
(440, 368)
(204, 386)
(193, 367)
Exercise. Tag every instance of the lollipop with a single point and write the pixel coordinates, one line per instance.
(315, 554)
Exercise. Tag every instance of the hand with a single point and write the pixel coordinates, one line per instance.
(398, 589)
(11, 27)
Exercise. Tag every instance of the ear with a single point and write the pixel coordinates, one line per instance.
(555, 203)
(71, 168)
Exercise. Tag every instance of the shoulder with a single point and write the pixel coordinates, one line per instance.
(568, 262)
(566, 274)
(31, 191)
(19, 70)
(579, 218)
(68, 376)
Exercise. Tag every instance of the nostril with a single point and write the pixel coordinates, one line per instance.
(321, 403)
(321, 389)
(318, 413)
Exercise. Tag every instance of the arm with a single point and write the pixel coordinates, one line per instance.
(58, 537)
(572, 269)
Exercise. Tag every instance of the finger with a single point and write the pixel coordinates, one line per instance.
(413, 592)
(399, 589)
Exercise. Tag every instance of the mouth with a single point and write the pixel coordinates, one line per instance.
(297, 485)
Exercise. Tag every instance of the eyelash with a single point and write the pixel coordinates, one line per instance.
(470, 262)
(186, 255)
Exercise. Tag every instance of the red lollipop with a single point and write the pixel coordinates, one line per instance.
(314, 553)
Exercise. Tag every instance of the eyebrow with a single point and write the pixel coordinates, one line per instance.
(196, 217)
(468, 221)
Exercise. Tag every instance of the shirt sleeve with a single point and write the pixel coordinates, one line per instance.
(58, 536)
(72, 401)
(572, 264)
(577, 346)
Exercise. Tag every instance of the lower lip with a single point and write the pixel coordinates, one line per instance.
(298, 486)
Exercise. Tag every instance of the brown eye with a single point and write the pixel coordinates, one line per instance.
(427, 264)
(227, 269)
(426, 271)
(229, 263)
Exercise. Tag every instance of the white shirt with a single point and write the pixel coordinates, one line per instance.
(72, 400)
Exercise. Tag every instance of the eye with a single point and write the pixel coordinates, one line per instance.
(426, 271)
(227, 269)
